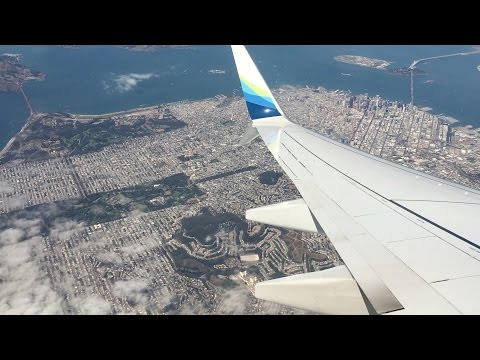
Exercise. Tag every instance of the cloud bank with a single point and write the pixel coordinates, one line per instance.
(5, 187)
(24, 285)
(91, 305)
(135, 291)
(236, 301)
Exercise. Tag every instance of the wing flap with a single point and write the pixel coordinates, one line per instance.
(331, 291)
(293, 215)
(342, 232)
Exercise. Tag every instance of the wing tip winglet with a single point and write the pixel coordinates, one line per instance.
(259, 99)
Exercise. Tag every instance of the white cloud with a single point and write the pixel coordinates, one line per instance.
(5, 187)
(165, 298)
(196, 309)
(30, 227)
(135, 291)
(128, 82)
(235, 301)
(63, 229)
(18, 202)
(109, 257)
(91, 305)
(11, 236)
(25, 287)
(147, 243)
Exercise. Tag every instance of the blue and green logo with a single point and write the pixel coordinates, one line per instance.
(259, 102)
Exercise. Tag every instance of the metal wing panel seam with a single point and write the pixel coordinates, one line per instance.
(391, 201)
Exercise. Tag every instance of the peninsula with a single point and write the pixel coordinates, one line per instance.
(13, 74)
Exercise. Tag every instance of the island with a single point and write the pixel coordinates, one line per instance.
(69, 46)
(147, 48)
(13, 74)
(363, 61)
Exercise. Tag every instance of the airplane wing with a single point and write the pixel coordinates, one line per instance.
(410, 242)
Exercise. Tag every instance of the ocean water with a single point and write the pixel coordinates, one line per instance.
(99, 79)
(13, 115)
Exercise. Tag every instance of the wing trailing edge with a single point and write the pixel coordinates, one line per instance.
(294, 215)
(332, 291)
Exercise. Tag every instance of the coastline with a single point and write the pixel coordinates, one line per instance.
(86, 117)
(116, 113)
(87, 96)
(10, 142)
(448, 119)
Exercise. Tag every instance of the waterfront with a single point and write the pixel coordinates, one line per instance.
(103, 79)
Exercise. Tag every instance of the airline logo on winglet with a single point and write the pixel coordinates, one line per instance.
(259, 99)
(259, 102)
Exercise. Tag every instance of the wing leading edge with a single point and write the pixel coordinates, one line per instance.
(407, 238)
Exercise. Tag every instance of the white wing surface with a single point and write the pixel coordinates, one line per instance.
(410, 241)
